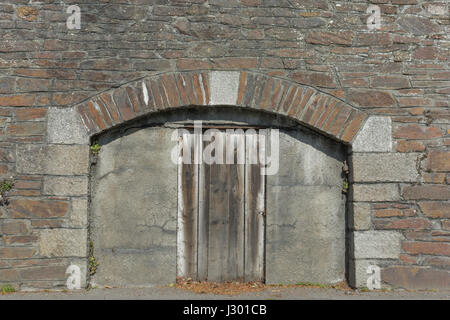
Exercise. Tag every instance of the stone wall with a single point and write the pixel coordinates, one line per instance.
(393, 82)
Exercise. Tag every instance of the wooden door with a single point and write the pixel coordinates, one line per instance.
(221, 211)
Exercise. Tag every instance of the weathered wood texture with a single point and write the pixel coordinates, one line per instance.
(228, 244)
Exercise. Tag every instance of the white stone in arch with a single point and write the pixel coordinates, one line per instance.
(64, 126)
(374, 136)
(224, 86)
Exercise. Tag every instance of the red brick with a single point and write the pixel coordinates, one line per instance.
(17, 253)
(20, 100)
(32, 85)
(311, 108)
(414, 102)
(235, 63)
(387, 213)
(408, 259)
(433, 177)
(96, 115)
(412, 224)
(370, 98)
(308, 95)
(435, 209)
(338, 124)
(153, 85)
(446, 224)
(423, 247)
(134, 99)
(241, 89)
(327, 38)
(296, 101)
(22, 129)
(47, 223)
(181, 85)
(266, 93)
(205, 84)
(426, 192)
(43, 273)
(193, 64)
(426, 53)
(417, 132)
(108, 102)
(170, 87)
(332, 117)
(30, 114)
(123, 103)
(86, 118)
(14, 227)
(189, 88)
(390, 82)
(10, 275)
(21, 208)
(314, 79)
(409, 146)
(415, 277)
(354, 122)
(103, 112)
(198, 89)
(438, 160)
(373, 39)
(320, 110)
(438, 261)
(69, 98)
(20, 240)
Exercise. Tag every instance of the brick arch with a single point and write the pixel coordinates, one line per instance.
(308, 106)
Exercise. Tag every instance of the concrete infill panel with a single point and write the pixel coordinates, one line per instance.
(374, 136)
(224, 87)
(134, 209)
(306, 212)
(64, 126)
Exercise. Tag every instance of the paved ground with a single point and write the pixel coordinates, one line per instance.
(167, 293)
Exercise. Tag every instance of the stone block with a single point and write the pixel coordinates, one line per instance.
(63, 243)
(65, 186)
(361, 216)
(79, 213)
(374, 136)
(52, 159)
(64, 126)
(384, 167)
(375, 192)
(224, 87)
(376, 244)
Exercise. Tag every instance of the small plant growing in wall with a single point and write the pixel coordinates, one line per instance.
(95, 149)
(7, 289)
(93, 264)
(5, 186)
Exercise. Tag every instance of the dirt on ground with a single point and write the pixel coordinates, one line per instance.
(236, 288)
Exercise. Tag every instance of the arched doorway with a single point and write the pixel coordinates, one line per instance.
(135, 205)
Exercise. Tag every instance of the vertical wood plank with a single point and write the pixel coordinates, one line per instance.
(254, 210)
(218, 220)
(187, 211)
(235, 259)
(203, 218)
